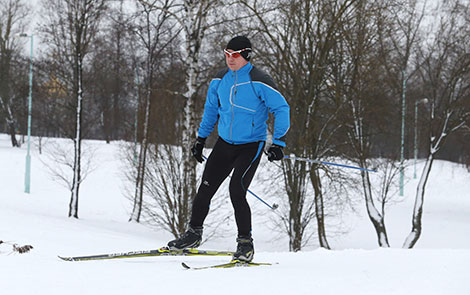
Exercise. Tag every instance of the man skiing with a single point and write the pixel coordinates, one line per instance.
(239, 98)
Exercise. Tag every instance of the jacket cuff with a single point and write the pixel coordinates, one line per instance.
(201, 139)
(279, 142)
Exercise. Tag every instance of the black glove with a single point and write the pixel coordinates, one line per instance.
(197, 148)
(275, 153)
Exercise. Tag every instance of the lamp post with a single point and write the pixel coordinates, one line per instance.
(27, 177)
(424, 100)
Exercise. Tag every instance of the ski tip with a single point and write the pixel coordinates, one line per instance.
(185, 265)
(65, 258)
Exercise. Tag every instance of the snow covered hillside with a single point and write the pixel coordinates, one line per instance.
(438, 264)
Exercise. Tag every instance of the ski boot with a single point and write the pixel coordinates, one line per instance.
(190, 239)
(245, 250)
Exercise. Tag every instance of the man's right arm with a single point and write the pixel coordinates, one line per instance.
(211, 110)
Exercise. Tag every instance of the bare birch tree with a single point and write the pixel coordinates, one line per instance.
(195, 23)
(194, 19)
(154, 34)
(355, 80)
(378, 32)
(442, 68)
(445, 77)
(70, 27)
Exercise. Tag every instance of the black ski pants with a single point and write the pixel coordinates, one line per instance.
(243, 159)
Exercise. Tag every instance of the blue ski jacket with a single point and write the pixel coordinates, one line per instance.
(240, 101)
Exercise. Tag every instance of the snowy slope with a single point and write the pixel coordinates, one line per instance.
(438, 265)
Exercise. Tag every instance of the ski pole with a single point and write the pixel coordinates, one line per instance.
(295, 158)
(273, 207)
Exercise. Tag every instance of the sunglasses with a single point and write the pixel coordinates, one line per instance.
(235, 54)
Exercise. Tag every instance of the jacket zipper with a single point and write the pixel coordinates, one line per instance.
(232, 103)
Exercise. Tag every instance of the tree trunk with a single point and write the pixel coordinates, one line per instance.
(117, 89)
(319, 208)
(189, 165)
(416, 227)
(295, 241)
(10, 122)
(12, 131)
(141, 166)
(374, 215)
(73, 207)
(298, 217)
(194, 22)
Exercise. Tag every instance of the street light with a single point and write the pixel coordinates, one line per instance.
(424, 100)
(27, 177)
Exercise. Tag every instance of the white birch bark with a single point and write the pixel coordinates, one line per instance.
(194, 23)
(73, 207)
(71, 27)
(374, 214)
(191, 17)
(415, 233)
(435, 145)
(445, 74)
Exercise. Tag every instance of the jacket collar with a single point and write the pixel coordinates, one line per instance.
(244, 70)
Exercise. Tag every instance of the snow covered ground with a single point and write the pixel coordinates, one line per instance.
(438, 264)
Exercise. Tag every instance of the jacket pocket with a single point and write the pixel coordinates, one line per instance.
(243, 125)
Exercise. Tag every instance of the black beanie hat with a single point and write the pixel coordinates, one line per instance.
(239, 43)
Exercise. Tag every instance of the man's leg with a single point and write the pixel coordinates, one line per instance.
(218, 167)
(245, 167)
(246, 163)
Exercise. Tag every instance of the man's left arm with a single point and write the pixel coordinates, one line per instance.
(278, 106)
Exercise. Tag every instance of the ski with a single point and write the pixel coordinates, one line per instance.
(231, 264)
(164, 251)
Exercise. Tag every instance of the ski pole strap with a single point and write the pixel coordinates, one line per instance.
(295, 158)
